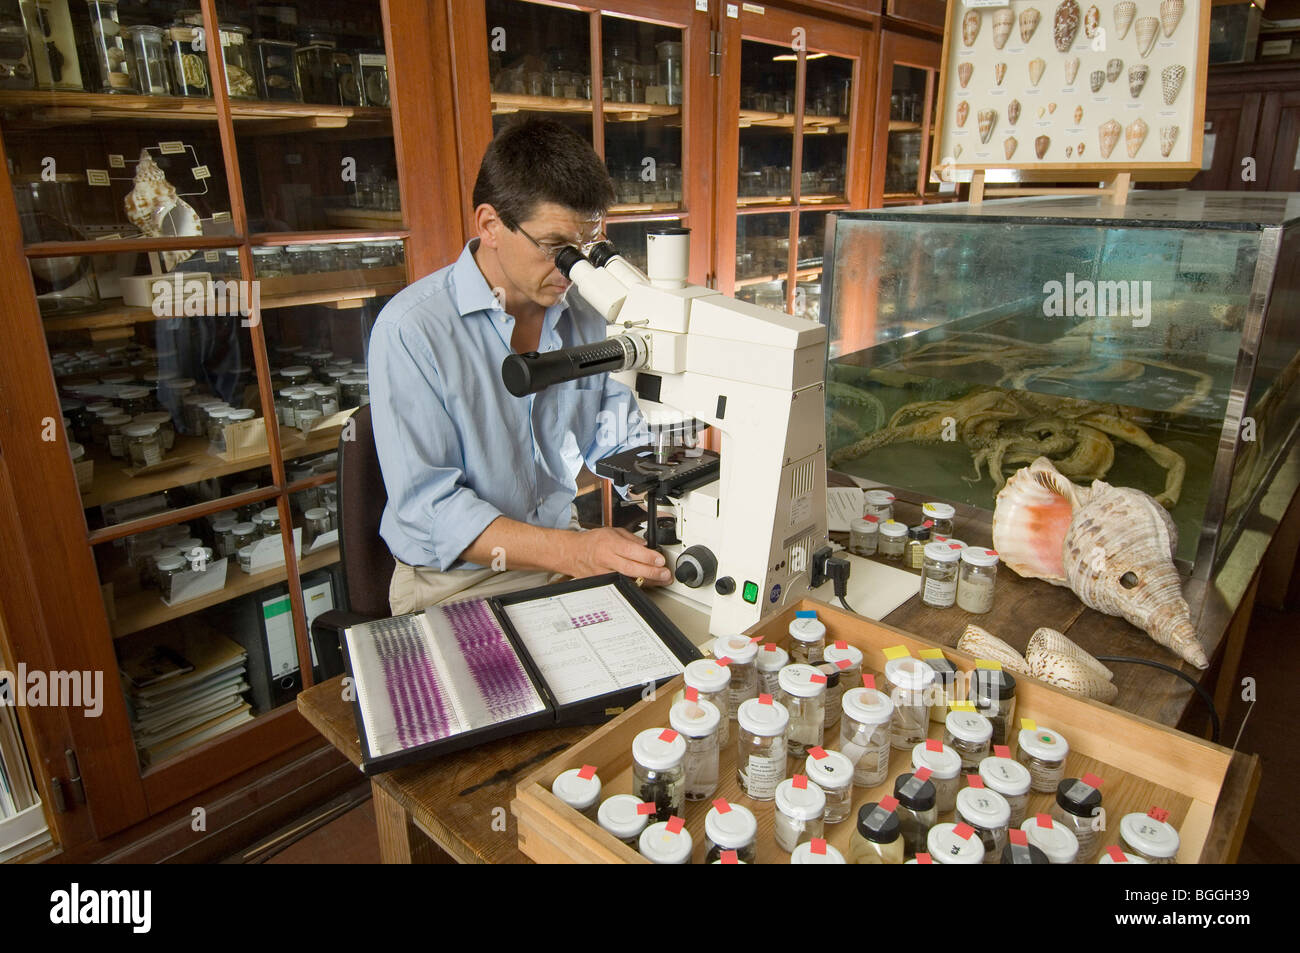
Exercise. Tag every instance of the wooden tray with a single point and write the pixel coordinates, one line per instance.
(1207, 789)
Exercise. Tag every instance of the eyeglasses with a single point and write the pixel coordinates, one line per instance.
(551, 249)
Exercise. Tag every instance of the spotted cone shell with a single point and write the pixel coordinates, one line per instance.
(1137, 79)
(1108, 134)
(1116, 550)
(1065, 25)
(1036, 67)
(1029, 18)
(1113, 68)
(964, 71)
(1134, 136)
(963, 110)
(1091, 20)
(1003, 20)
(1171, 81)
(970, 27)
(1071, 69)
(1145, 31)
(1171, 11)
(1125, 11)
(1096, 78)
(1168, 136)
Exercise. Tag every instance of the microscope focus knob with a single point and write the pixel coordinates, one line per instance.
(725, 586)
(696, 567)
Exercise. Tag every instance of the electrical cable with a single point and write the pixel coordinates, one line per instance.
(845, 603)
(1205, 696)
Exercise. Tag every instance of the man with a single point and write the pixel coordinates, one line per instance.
(481, 484)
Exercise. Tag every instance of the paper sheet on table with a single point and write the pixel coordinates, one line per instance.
(874, 590)
(843, 503)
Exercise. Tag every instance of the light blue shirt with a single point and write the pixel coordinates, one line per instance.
(457, 450)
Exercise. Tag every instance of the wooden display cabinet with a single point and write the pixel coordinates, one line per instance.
(275, 177)
(905, 119)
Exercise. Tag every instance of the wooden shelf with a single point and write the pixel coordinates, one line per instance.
(646, 207)
(145, 609)
(745, 201)
(770, 120)
(764, 279)
(43, 108)
(112, 484)
(902, 125)
(504, 103)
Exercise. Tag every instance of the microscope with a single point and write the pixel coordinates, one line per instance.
(744, 530)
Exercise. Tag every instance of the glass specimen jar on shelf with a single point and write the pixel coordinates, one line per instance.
(277, 71)
(578, 788)
(947, 846)
(800, 806)
(761, 748)
(968, 733)
(742, 665)
(1051, 837)
(618, 814)
(916, 810)
(913, 554)
(316, 73)
(803, 692)
(245, 534)
(807, 637)
(1078, 807)
(1108, 857)
(143, 444)
(317, 520)
(659, 845)
(877, 836)
(697, 722)
(939, 576)
(1043, 752)
(940, 516)
(1155, 841)
(994, 693)
(109, 47)
(148, 56)
(878, 503)
(1022, 853)
(847, 660)
(114, 434)
(864, 734)
(658, 774)
(771, 659)
(186, 58)
(893, 540)
(976, 578)
(711, 681)
(864, 535)
(730, 827)
(166, 430)
(236, 50)
(1009, 778)
(945, 771)
(989, 814)
(833, 773)
(269, 522)
(910, 680)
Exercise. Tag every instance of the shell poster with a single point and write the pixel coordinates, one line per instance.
(1056, 85)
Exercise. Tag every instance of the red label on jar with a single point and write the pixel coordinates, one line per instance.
(800, 781)
(645, 807)
(1018, 837)
(817, 679)
(1116, 854)
(692, 695)
(1158, 814)
(869, 681)
(923, 858)
(725, 660)
(765, 699)
(963, 830)
(933, 744)
(729, 857)
(889, 802)
(817, 753)
(675, 824)
(1092, 781)
(1044, 820)
(843, 664)
(588, 772)
(817, 846)
(974, 781)
(721, 805)
(668, 735)
(922, 773)
(1002, 751)
(841, 644)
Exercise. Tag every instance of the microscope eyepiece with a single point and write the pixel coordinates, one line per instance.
(567, 258)
(602, 253)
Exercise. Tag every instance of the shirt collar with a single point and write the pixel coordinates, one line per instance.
(473, 296)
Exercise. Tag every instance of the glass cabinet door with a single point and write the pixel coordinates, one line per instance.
(211, 228)
(907, 95)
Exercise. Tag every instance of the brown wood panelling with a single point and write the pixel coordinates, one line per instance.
(467, 24)
(927, 13)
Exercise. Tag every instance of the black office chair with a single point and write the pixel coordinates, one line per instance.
(364, 557)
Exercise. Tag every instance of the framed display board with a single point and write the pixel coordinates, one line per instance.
(1073, 89)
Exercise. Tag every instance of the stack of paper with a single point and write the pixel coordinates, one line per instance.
(182, 691)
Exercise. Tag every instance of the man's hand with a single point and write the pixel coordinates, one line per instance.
(609, 549)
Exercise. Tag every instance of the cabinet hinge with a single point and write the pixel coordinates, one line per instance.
(74, 777)
(715, 53)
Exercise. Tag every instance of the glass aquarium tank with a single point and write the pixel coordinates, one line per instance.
(1153, 345)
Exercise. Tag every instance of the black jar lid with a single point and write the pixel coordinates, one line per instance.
(831, 671)
(878, 824)
(918, 795)
(986, 681)
(919, 532)
(1024, 854)
(1081, 800)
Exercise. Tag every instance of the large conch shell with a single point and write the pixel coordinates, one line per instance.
(152, 200)
(1115, 548)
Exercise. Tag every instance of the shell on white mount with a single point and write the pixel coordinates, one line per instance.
(1030, 519)
(1071, 675)
(984, 645)
(152, 200)
(1045, 640)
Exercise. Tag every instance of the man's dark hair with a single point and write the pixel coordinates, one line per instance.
(536, 160)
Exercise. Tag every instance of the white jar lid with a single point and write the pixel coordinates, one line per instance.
(297, 250)
(218, 413)
(244, 413)
(140, 430)
(245, 527)
(297, 370)
(803, 854)
(879, 497)
(867, 705)
(983, 807)
(892, 528)
(1007, 776)
(1043, 743)
(266, 251)
(653, 752)
(833, 771)
(316, 513)
(168, 563)
(797, 680)
(101, 407)
(115, 420)
(175, 383)
(1151, 837)
(942, 552)
(944, 764)
(577, 792)
(618, 815)
(738, 648)
(321, 390)
(159, 417)
(772, 658)
(733, 829)
(763, 720)
(308, 415)
(661, 846)
(268, 514)
(189, 543)
(948, 848)
(113, 379)
(864, 525)
(1057, 842)
(1106, 858)
(223, 523)
(950, 541)
(939, 511)
(76, 450)
(850, 653)
(692, 719)
(808, 629)
(803, 804)
(706, 675)
(909, 673)
(979, 557)
(132, 393)
(969, 726)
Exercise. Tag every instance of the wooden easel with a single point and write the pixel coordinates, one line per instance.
(1114, 187)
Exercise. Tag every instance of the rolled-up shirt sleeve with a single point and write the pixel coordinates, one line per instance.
(432, 515)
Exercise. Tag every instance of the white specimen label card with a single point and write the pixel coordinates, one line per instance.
(97, 177)
(201, 172)
(171, 147)
(116, 162)
(220, 217)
